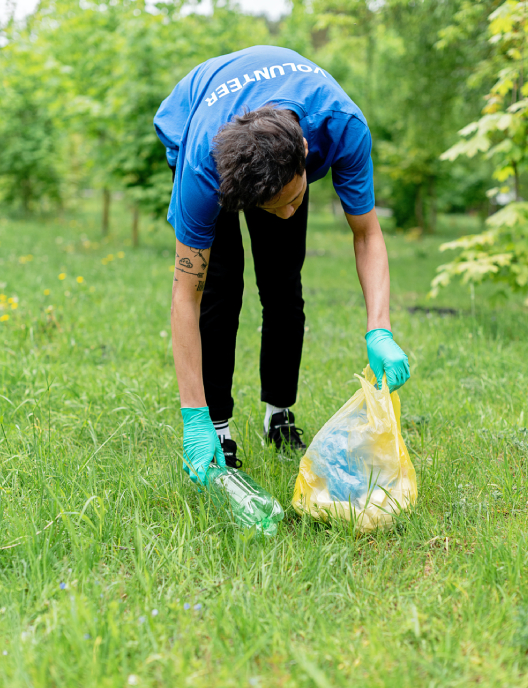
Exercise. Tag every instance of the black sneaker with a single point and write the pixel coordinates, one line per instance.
(283, 433)
(230, 449)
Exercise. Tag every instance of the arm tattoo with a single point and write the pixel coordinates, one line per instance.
(196, 274)
(189, 265)
(198, 254)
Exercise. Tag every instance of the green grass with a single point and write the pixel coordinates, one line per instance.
(93, 495)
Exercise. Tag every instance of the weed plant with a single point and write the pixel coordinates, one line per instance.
(115, 571)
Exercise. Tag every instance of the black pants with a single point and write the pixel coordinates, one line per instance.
(279, 249)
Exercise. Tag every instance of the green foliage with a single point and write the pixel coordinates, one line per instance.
(32, 144)
(407, 65)
(500, 253)
(431, 100)
(112, 66)
(501, 133)
(140, 86)
(388, 59)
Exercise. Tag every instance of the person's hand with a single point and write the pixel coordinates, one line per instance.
(385, 356)
(200, 443)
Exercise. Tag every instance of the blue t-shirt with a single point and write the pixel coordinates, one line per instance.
(189, 119)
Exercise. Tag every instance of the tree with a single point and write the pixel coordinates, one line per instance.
(107, 69)
(428, 84)
(499, 254)
(84, 40)
(388, 57)
(32, 141)
(169, 48)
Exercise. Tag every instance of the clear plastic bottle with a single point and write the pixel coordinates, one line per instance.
(249, 504)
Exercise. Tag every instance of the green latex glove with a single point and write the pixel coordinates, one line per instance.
(200, 443)
(385, 356)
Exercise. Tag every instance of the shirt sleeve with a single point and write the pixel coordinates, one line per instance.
(194, 207)
(172, 116)
(352, 169)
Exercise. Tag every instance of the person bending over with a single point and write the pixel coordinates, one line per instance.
(249, 132)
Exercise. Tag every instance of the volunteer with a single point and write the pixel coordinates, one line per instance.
(250, 131)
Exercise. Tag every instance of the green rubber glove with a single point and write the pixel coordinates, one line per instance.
(200, 443)
(385, 356)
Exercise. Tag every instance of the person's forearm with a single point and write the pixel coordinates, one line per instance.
(373, 269)
(187, 351)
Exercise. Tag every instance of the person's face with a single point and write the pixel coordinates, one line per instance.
(285, 204)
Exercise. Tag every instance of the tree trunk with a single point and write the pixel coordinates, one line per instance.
(135, 226)
(431, 224)
(26, 195)
(517, 182)
(418, 207)
(370, 55)
(106, 211)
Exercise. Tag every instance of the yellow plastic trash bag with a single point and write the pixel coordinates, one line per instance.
(357, 466)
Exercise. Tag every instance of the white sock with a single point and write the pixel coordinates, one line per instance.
(270, 410)
(222, 429)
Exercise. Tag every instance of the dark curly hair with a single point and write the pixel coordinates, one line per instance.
(256, 155)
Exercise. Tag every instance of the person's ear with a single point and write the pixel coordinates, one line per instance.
(305, 147)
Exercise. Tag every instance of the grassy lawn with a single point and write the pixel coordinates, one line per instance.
(116, 572)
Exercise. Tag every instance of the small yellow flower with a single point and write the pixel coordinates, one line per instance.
(46, 292)
(3, 318)
(172, 268)
(3, 297)
(110, 256)
(121, 254)
(14, 306)
(10, 300)
(80, 279)
(62, 276)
